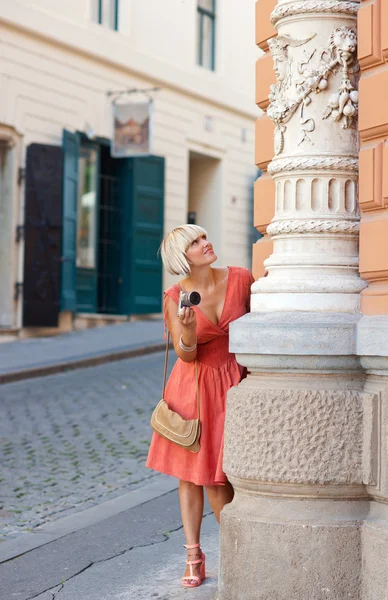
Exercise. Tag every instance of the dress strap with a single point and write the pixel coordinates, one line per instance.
(173, 293)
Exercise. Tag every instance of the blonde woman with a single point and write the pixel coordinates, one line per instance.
(200, 333)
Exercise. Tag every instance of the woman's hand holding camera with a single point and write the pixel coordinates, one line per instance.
(188, 338)
(188, 319)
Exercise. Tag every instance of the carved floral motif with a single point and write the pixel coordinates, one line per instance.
(285, 100)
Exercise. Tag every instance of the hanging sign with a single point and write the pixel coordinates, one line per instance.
(131, 129)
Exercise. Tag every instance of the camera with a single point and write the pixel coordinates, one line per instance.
(188, 299)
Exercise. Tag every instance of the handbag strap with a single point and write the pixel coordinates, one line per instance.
(165, 374)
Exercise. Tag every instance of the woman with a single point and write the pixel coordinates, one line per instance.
(200, 333)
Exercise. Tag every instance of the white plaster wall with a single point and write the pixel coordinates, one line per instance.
(156, 38)
(10, 193)
(7, 160)
(74, 10)
(53, 76)
(168, 29)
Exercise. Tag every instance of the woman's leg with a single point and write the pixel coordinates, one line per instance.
(218, 496)
(191, 500)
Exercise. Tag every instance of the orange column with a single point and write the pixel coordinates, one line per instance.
(264, 186)
(373, 127)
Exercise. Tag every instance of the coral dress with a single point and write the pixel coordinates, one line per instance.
(217, 372)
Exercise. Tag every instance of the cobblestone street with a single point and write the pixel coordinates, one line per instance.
(74, 440)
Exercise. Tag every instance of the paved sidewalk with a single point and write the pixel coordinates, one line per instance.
(36, 357)
(136, 554)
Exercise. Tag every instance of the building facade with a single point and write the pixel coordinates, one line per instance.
(80, 229)
(306, 433)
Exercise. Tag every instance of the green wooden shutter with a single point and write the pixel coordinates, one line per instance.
(142, 190)
(69, 235)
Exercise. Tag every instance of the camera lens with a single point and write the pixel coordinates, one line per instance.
(194, 298)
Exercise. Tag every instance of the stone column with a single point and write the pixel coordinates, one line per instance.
(299, 431)
(314, 105)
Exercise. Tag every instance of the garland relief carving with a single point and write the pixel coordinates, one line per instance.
(297, 81)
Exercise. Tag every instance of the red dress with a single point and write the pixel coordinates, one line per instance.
(218, 371)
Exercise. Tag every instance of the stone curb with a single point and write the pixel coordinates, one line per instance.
(80, 363)
(157, 487)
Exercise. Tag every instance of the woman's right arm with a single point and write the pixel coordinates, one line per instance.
(185, 325)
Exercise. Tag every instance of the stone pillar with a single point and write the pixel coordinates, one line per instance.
(299, 430)
(314, 107)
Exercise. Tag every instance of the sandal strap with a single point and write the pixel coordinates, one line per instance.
(192, 546)
(192, 578)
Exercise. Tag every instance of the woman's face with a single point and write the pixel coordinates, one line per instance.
(200, 252)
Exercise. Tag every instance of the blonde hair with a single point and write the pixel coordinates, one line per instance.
(174, 246)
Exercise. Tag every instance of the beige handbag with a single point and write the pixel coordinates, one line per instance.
(172, 426)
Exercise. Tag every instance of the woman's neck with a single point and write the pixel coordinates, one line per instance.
(202, 278)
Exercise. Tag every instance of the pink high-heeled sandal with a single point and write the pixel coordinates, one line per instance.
(193, 580)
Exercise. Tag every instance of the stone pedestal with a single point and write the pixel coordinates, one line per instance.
(298, 451)
(291, 549)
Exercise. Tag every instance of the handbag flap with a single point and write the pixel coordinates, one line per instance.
(173, 426)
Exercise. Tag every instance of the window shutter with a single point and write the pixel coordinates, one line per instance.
(142, 233)
(43, 230)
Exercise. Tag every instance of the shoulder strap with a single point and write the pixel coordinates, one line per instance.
(165, 374)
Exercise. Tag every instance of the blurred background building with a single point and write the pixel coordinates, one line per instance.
(79, 229)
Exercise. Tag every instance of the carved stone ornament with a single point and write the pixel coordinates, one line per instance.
(313, 226)
(309, 6)
(334, 163)
(343, 105)
(282, 108)
(279, 139)
(286, 99)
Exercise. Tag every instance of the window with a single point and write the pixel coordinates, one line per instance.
(87, 208)
(206, 17)
(106, 12)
